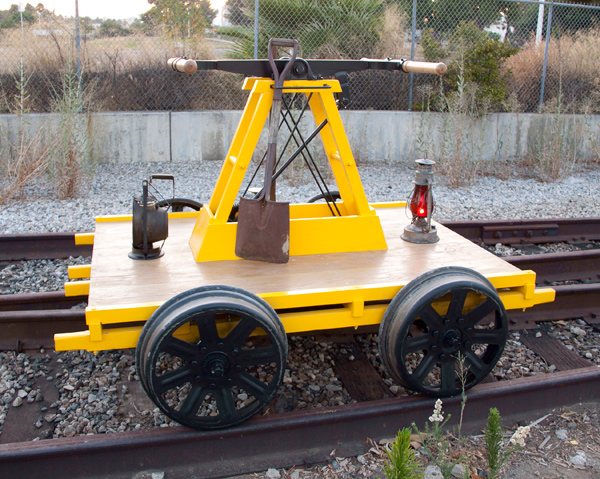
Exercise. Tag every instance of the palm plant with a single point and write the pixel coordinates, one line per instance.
(324, 28)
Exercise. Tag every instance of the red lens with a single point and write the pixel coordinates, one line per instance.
(418, 202)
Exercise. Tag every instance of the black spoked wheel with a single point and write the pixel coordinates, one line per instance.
(212, 357)
(180, 204)
(444, 331)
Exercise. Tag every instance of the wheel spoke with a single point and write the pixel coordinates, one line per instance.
(225, 405)
(424, 368)
(256, 357)
(181, 349)
(172, 379)
(207, 327)
(479, 313)
(457, 303)
(240, 332)
(250, 384)
(431, 317)
(193, 401)
(475, 363)
(448, 376)
(487, 336)
(416, 344)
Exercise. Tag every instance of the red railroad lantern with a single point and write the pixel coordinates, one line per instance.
(421, 206)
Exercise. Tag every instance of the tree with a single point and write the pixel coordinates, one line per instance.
(476, 59)
(182, 18)
(112, 28)
(86, 24)
(144, 24)
(236, 15)
(11, 18)
(324, 28)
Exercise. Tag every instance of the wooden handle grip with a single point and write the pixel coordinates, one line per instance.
(182, 65)
(424, 67)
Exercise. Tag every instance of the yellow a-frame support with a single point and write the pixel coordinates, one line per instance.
(313, 230)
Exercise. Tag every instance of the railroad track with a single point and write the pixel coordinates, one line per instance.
(311, 435)
(29, 321)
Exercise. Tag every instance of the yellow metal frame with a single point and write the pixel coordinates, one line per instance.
(322, 309)
(312, 228)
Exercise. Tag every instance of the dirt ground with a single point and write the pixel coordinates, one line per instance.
(566, 445)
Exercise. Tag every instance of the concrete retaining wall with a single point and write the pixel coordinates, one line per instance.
(375, 136)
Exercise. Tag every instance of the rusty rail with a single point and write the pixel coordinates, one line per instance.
(284, 440)
(41, 246)
(29, 321)
(568, 266)
(528, 231)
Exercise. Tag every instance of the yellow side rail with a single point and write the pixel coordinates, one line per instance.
(329, 309)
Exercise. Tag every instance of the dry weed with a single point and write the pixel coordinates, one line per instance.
(395, 37)
(573, 69)
(26, 161)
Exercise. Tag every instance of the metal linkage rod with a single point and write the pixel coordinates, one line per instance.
(312, 163)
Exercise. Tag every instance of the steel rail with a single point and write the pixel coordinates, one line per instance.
(565, 266)
(39, 301)
(572, 301)
(29, 321)
(41, 246)
(491, 232)
(283, 440)
(305, 437)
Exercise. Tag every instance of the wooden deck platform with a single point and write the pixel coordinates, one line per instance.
(116, 280)
(312, 292)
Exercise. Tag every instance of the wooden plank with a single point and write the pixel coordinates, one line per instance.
(118, 280)
(553, 351)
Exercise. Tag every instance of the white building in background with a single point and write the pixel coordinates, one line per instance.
(500, 28)
(221, 18)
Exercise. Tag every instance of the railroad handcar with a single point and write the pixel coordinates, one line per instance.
(209, 308)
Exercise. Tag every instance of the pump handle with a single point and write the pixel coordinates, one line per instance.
(182, 65)
(424, 67)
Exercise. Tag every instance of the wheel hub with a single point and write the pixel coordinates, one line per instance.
(216, 365)
(450, 340)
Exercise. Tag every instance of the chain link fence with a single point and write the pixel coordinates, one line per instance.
(512, 56)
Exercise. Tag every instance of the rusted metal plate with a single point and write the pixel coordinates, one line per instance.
(284, 440)
(263, 231)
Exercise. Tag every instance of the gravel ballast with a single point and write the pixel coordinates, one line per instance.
(112, 190)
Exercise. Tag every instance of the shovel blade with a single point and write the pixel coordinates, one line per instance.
(263, 231)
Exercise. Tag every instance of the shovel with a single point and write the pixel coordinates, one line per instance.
(263, 229)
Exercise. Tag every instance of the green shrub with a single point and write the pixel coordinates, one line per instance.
(476, 59)
(403, 463)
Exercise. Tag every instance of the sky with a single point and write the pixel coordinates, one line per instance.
(95, 8)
